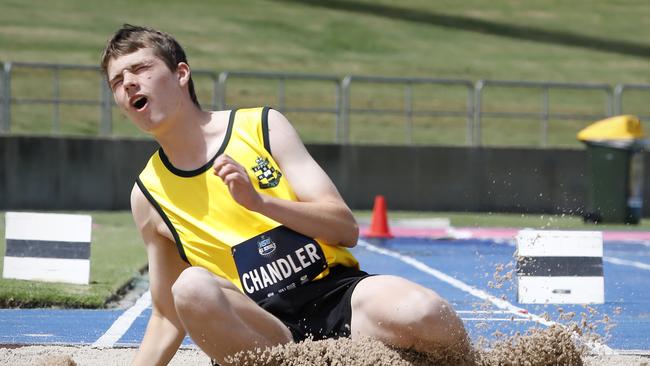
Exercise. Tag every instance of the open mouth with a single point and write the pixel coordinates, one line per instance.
(140, 103)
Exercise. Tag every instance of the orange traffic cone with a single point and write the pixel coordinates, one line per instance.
(379, 224)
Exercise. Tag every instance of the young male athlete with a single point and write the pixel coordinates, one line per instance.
(246, 236)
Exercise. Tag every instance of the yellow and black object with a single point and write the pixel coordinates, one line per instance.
(614, 170)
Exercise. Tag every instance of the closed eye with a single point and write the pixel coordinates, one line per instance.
(139, 68)
(135, 69)
(115, 83)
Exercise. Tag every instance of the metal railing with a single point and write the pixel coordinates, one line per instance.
(619, 91)
(214, 78)
(408, 112)
(104, 100)
(5, 99)
(342, 93)
(545, 114)
(281, 100)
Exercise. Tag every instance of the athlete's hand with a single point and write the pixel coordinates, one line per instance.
(234, 175)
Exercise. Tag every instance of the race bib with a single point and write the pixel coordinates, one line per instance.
(277, 261)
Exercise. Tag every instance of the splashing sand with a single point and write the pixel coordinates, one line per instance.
(539, 347)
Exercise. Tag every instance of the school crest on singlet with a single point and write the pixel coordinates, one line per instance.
(277, 261)
(267, 175)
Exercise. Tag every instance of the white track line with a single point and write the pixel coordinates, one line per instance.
(625, 262)
(485, 312)
(498, 319)
(123, 323)
(499, 303)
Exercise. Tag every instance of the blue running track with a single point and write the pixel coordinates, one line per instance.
(459, 270)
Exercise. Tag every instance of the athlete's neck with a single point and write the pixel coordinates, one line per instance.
(191, 140)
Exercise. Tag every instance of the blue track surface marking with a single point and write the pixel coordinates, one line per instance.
(135, 333)
(44, 326)
(472, 262)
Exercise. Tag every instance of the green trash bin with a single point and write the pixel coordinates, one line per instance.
(614, 170)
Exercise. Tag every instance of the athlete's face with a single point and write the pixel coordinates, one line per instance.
(146, 89)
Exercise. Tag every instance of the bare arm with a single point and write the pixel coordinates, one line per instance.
(164, 332)
(320, 211)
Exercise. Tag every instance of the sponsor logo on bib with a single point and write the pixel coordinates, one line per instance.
(265, 245)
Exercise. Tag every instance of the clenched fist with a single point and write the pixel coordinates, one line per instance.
(234, 175)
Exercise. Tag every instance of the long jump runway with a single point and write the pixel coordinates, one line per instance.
(462, 271)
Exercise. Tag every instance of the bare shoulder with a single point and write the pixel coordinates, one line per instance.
(277, 118)
(283, 137)
(140, 208)
(308, 180)
(146, 218)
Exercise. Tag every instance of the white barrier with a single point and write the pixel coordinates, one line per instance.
(47, 247)
(560, 267)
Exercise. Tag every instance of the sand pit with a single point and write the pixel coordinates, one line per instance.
(83, 356)
(538, 347)
(342, 352)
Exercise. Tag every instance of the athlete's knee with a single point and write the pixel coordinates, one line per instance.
(429, 311)
(418, 306)
(438, 313)
(195, 286)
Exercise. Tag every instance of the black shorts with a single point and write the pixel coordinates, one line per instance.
(320, 309)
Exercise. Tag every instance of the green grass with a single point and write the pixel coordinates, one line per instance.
(578, 41)
(116, 256)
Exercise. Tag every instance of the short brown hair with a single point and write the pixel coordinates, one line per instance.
(131, 38)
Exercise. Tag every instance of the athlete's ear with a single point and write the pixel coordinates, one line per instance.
(183, 73)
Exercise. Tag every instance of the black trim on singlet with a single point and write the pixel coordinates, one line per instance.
(206, 166)
(177, 239)
(265, 129)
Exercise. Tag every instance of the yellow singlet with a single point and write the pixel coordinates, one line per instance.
(213, 231)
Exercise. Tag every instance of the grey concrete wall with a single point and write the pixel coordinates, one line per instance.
(48, 173)
(457, 179)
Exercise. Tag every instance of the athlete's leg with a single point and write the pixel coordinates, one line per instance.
(404, 314)
(220, 318)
